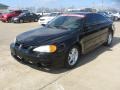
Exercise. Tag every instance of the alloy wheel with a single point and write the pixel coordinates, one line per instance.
(73, 56)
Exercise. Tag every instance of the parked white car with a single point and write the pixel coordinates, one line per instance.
(116, 16)
(46, 19)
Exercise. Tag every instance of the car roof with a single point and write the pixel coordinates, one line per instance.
(81, 13)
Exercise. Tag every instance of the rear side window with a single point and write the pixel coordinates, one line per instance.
(18, 12)
(100, 18)
(93, 19)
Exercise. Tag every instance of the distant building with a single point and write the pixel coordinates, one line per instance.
(82, 10)
(3, 7)
(88, 10)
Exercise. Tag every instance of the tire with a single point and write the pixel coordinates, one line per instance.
(3, 21)
(72, 57)
(35, 20)
(109, 39)
(21, 21)
(9, 20)
(116, 18)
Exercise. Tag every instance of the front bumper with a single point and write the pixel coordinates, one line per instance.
(3, 19)
(15, 21)
(56, 59)
(43, 22)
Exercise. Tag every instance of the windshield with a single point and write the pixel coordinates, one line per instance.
(66, 22)
(22, 14)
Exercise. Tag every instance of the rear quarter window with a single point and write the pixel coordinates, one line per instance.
(93, 19)
(100, 18)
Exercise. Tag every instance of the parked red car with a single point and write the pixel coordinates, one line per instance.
(0, 15)
(8, 16)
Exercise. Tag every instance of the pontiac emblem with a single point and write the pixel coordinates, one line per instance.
(20, 46)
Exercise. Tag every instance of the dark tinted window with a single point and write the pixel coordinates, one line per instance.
(17, 12)
(28, 14)
(66, 21)
(95, 19)
(32, 14)
(90, 19)
(100, 18)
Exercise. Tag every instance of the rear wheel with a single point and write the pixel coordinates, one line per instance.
(109, 39)
(21, 21)
(72, 57)
(116, 19)
(9, 20)
(3, 21)
(35, 20)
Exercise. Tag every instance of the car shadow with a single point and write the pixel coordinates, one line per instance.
(95, 53)
(83, 60)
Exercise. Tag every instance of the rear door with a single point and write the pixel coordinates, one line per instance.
(103, 26)
(28, 17)
(25, 17)
(32, 16)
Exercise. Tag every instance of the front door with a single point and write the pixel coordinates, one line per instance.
(95, 34)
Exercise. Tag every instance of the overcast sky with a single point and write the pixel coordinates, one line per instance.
(58, 3)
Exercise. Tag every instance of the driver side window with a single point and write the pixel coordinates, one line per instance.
(90, 20)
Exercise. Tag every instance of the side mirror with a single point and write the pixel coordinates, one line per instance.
(43, 25)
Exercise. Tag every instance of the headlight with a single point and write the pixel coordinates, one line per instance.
(5, 16)
(46, 48)
(15, 18)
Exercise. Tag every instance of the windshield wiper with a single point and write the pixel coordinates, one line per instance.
(62, 27)
(49, 26)
(56, 26)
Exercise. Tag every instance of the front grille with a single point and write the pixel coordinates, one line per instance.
(25, 46)
(22, 46)
(17, 44)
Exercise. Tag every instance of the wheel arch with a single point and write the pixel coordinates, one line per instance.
(79, 45)
(112, 28)
(9, 18)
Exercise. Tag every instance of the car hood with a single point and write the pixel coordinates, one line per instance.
(41, 36)
(7, 14)
(47, 18)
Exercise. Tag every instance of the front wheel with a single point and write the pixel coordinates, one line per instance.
(72, 57)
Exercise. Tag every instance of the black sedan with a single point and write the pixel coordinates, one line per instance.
(63, 40)
(25, 17)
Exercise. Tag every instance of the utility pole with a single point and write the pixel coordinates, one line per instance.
(93, 4)
(102, 4)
